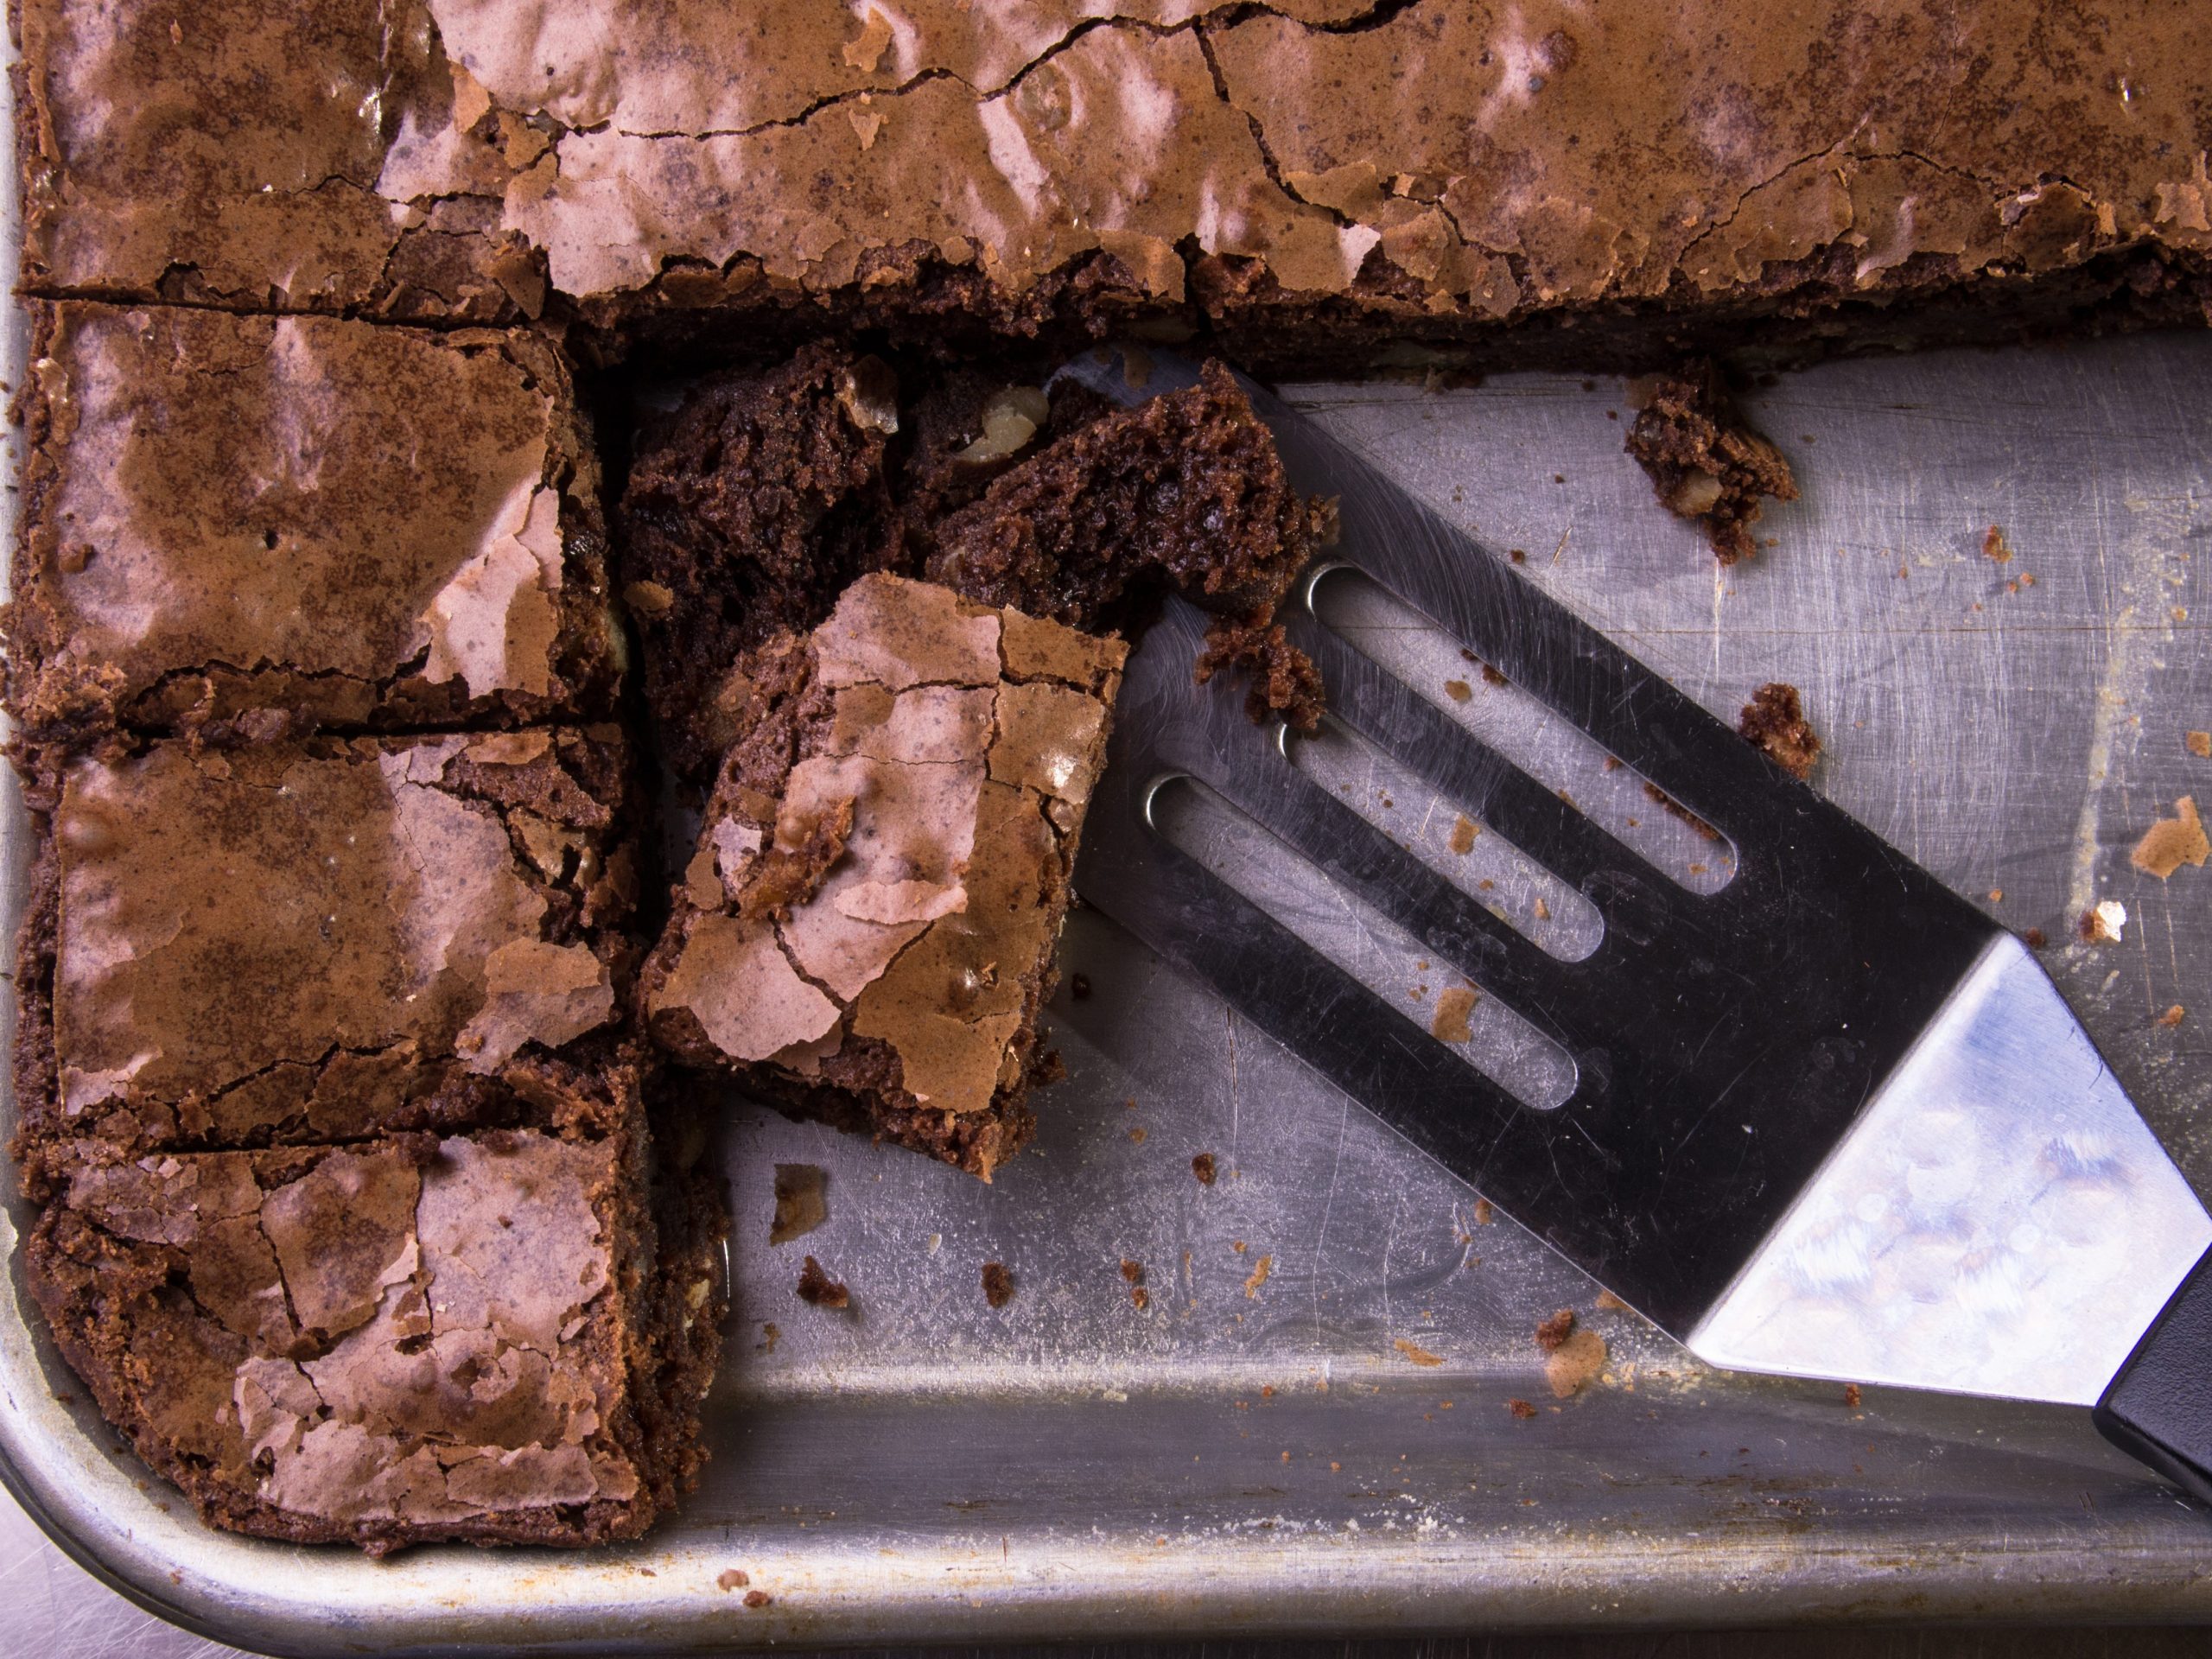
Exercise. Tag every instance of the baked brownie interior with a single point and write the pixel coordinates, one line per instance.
(407, 1339)
(865, 931)
(750, 508)
(251, 526)
(324, 940)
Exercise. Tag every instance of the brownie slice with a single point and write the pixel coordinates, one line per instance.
(866, 932)
(406, 1339)
(751, 507)
(325, 940)
(239, 525)
(266, 155)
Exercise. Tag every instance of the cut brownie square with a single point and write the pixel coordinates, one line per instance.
(318, 941)
(247, 525)
(866, 932)
(266, 155)
(750, 508)
(409, 1338)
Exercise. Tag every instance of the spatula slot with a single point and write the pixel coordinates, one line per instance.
(1426, 658)
(1429, 993)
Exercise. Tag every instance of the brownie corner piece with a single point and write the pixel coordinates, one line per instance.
(865, 931)
(326, 940)
(250, 527)
(476, 1337)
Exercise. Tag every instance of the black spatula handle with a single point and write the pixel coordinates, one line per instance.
(2159, 1406)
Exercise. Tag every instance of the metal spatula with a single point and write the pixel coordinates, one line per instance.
(1829, 1121)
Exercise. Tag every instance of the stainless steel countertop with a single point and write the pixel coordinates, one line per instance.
(926, 1469)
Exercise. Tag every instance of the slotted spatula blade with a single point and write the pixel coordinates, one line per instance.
(1829, 1120)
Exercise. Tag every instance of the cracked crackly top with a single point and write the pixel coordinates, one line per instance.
(1475, 163)
(324, 940)
(901, 891)
(231, 516)
(410, 1333)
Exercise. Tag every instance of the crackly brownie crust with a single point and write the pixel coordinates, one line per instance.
(303, 942)
(406, 1339)
(866, 932)
(240, 526)
(751, 507)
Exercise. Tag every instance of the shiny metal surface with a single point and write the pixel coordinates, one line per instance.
(2000, 1220)
(926, 1468)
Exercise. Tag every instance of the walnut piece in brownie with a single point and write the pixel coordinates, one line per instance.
(751, 508)
(1774, 721)
(251, 526)
(392, 1342)
(1704, 462)
(867, 930)
(325, 940)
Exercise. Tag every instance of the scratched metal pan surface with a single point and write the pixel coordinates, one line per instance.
(1309, 1425)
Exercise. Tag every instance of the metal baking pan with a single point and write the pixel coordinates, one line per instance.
(1257, 1453)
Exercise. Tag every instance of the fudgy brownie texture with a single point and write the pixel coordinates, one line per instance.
(866, 930)
(1704, 462)
(1774, 721)
(750, 508)
(325, 940)
(243, 526)
(1330, 184)
(483, 1336)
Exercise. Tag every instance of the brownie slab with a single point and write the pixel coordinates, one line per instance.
(410, 1338)
(265, 155)
(247, 523)
(317, 941)
(865, 931)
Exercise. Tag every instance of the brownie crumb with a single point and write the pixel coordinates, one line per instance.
(1131, 1272)
(1521, 1408)
(1518, 555)
(800, 1205)
(1994, 547)
(1079, 987)
(1202, 1166)
(1553, 1334)
(2102, 923)
(998, 1284)
(1704, 462)
(1457, 690)
(732, 1578)
(1258, 1276)
(1464, 831)
(1774, 723)
(771, 1334)
(1612, 1304)
(1484, 1213)
(2199, 744)
(1667, 802)
(2035, 939)
(2174, 1015)
(818, 1289)
(758, 1599)
(1415, 1352)
(1494, 675)
(2172, 842)
(1851, 1396)
(1579, 1357)
(1453, 1004)
(1284, 681)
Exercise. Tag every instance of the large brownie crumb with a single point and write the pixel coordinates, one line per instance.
(1704, 462)
(1774, 721)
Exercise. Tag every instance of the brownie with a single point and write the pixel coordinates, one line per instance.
(266, 155)
(246, 525)
(1774, 723)
(325, 940)
(480, 1337)
(866, 932)
(750, 508)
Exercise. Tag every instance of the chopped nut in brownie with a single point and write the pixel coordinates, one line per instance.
(1704, 462)
(1774, 723)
